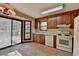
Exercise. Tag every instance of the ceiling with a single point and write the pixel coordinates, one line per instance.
(34, 9)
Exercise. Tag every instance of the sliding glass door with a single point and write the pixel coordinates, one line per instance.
(27, 34)
(10, 32)
(16, 32)
(5, 32)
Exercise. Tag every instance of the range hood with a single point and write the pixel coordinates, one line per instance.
(63, 26)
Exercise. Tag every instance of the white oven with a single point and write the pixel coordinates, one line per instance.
(64, 41)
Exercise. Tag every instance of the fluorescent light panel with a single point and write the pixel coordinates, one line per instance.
(53, 10)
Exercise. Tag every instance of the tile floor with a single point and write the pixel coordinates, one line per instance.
(35, 49)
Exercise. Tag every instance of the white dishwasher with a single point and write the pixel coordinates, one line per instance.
(49, 40)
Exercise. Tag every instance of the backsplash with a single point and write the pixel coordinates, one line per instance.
(50, 32)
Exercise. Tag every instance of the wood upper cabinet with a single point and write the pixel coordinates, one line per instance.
(73, 15)
(52, 23)
(60, 19)
(67, 18)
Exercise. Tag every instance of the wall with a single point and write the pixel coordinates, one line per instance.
(27, 18)
(67, 7)
(71, 6)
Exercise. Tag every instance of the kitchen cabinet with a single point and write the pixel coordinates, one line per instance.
(60, 19)
(52, 23)
(42, 38)
(39, 38)
(34, 38)
(67, 18)
(49, 40)
(73, 15)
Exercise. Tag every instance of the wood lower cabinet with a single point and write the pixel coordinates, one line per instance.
(34, 38)
(39, 38)
(42, 38)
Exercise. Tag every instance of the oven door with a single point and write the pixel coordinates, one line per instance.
(65, 42)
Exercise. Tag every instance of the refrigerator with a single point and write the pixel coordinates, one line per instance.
(76, 37)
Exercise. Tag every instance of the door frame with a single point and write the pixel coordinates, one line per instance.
(30, 29)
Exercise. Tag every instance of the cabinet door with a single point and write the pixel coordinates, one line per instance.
(42, 38)
(67, 18)
(73, 15)
(38, 38)
(52, 23)
(34, 37)
(60, 19)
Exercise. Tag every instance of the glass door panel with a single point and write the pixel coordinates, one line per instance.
(27, 30)
(16, 32)
(5, 32)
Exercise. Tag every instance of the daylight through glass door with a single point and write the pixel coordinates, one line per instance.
(16, 32)
(27, 30)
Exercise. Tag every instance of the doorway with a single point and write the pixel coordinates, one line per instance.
(5, 32)
(27, 30)
(10, 32)
(16, 32)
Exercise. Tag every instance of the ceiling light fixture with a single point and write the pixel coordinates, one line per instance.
(53, 9)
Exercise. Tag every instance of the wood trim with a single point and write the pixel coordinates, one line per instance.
(10, 18)
(22, 32)
(54, 41)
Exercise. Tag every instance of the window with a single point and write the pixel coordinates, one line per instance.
(43, 25)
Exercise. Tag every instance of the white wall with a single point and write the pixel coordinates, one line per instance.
(71, 6)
